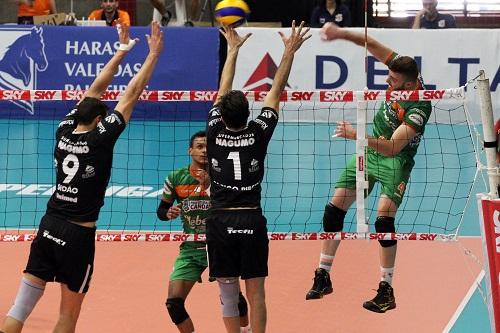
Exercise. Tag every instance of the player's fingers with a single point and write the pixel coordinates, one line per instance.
(305, 32)
(301, 26)
(282, 35)
(247, 36)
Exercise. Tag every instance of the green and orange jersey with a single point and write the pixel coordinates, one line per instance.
(181, 187)
(392, 114)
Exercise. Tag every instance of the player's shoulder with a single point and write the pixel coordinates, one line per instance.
(214, 111)
(179, 173)
(115, 117)
(418, 106)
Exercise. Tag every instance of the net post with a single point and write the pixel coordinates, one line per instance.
(361, 182)
(489, 205)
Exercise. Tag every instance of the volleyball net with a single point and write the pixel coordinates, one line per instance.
(302, 166)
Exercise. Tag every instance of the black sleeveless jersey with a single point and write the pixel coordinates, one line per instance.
(236, 159)
(83, 167)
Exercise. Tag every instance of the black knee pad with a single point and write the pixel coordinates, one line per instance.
(385, 224)
(242, 305)
(176, 310)
(333, 219)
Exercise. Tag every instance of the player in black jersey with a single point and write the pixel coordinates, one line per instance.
(63, 249)
(236, 229)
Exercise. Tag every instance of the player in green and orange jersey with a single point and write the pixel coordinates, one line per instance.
(398, 128)
(188, 187)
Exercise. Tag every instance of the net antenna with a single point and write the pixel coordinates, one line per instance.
(361, 146)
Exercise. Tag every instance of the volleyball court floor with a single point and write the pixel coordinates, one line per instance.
(433, 285)
(435, 282)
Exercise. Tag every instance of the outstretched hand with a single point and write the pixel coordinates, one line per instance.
(155, 40)
(330, 31)
(344, 129)
(296, 39)
(123, 36)
(234, 40)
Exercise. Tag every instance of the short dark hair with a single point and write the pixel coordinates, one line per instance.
(88, 109)
(322, 3)
(199, 134)
(407, 66)
(234, 109)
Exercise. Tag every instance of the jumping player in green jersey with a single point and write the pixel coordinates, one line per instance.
(188, 187)
(398, 128)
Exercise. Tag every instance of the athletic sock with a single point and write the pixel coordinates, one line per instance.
(386, 274)
(326, 262)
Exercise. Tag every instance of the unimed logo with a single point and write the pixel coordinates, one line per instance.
(496, 221)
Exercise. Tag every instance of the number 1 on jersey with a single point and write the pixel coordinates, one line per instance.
(235, 156)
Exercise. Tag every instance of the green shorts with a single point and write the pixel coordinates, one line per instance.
(392, 173)
(190, 264)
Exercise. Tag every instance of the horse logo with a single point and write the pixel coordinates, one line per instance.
(23, 57)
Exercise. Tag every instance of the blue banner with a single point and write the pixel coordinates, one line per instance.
(67, 58)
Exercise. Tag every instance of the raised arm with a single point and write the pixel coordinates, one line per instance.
(105, 77)
(387, 147)
(138, 83)
(292, 44)
(418, 17)
(330, 31)
(234, 42)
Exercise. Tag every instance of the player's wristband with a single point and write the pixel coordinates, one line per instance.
(127, 47)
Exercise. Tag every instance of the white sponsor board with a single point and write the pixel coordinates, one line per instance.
(448, 59)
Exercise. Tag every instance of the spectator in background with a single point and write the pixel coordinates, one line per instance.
(330, 11)
(26, 9)
(429, 17)
(109, 12)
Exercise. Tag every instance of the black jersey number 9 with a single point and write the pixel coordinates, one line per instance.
(70, 171)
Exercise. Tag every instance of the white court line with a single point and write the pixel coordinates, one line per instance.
(464, 302)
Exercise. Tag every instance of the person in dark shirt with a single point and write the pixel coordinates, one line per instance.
(63, 249)
(429, 17)
(236, 229)
(330, 11)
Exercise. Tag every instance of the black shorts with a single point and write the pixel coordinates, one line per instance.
(237, 244)
(64, 252)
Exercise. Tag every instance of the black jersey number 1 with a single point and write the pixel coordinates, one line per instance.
(235, 156)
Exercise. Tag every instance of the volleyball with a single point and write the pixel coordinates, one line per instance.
(232, 13)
